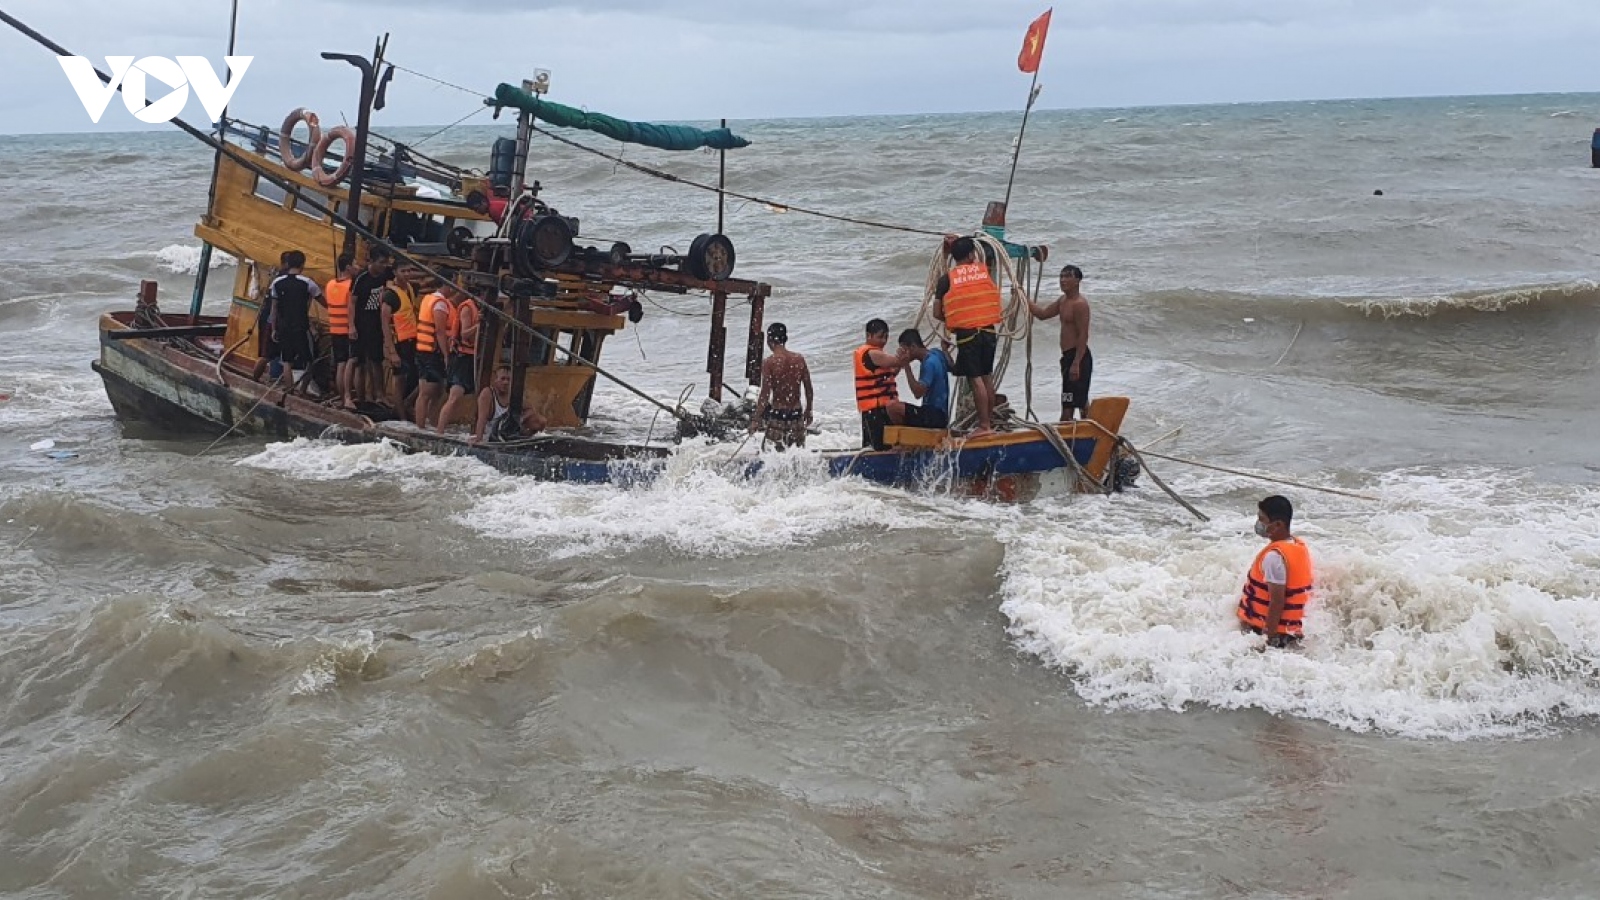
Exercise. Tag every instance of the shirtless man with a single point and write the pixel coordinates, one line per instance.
(1077, 363)
(784, 375)
(494, 412)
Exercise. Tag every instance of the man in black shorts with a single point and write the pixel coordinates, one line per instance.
(968, 302)
(291, 294)
(1077, 363)
(366, 324)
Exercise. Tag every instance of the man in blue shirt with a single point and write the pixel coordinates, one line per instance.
(931, 385)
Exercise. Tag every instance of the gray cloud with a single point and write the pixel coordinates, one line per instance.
(700, 59)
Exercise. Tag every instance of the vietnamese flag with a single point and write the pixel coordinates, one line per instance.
(1033, 44)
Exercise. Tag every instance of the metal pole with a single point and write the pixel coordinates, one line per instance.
(519, 173)
(1033, 94)
(358, 168)
(200, 276)
(722, 181)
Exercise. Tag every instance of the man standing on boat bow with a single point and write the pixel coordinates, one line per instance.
(1278, 588)
(1077, 363)
(968, 302)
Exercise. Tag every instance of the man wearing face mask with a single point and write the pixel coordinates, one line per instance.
(1278, 588)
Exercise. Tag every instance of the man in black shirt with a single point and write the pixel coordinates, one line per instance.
(366, 323)
(290, 296)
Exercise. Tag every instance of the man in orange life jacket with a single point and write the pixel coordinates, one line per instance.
(1278, 588)
(338, 291)
(876, 396)
(968, 302)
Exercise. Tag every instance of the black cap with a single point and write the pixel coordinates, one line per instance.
(778, 333)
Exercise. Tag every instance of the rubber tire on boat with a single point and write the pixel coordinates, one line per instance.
(545, 242)
(620, 252)
(286, 139)
(459, 241)
(711, 257)
(322, 175)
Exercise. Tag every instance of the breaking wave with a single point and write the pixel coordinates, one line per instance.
(1459, 607)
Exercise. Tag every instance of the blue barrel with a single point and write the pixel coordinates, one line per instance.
(1594, 149)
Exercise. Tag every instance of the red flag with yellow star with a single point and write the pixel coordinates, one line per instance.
(1033, 44)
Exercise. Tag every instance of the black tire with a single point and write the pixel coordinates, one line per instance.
(711, 257)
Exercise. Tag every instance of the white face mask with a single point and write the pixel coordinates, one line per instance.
(1261, 529)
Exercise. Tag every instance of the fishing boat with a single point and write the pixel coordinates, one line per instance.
(548, 301)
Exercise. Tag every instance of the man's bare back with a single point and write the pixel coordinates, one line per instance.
(785, 372)
(784, 378)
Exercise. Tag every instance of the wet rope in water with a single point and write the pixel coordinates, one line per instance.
(1261, 476)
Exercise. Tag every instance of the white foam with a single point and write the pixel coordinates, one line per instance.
(314, 460)
(702, 504)
(184, 259)
(336, 659)
(1457, 607)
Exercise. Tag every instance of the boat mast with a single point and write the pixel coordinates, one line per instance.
(369, 81)
(211, 197)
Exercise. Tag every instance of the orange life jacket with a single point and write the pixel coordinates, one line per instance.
(973, 301)
(338, 294)
(874, 388)
(464, 319)
(1257, 598)
(427, 340)
(405, 318)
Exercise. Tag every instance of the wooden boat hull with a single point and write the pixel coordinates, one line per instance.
(177, 386)
(181, 390)
(1004, 466)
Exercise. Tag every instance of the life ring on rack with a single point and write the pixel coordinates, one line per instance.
(286, 139)
(318, 171)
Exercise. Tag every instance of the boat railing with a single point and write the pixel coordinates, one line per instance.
(265, 140)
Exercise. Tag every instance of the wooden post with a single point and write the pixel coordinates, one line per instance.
(719, 343)
(756, 348)
(519, 355)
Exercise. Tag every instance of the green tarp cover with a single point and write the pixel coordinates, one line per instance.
(663, 137)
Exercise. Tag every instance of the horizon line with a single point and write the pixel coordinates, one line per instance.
(977, 112)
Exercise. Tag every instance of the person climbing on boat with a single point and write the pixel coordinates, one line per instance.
(931, 385)
(463, 350)
(433, 347)
(1277, 589)
(400, 337)
(968, 302)
(494, 412)
(267, 362)
(492, 205)
(367, 330)
(337, 292)
(784, 376)
(1077, 363)
(876, 397)
(290, 296)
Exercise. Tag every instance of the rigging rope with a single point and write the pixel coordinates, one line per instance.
(775, 204)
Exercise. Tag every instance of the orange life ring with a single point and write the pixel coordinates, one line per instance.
(321, 174)
(286, 139)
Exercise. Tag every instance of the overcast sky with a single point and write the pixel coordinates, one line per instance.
(744, 59)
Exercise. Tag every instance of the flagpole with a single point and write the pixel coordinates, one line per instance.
(1016, 153)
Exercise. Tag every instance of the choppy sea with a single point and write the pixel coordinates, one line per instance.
(310, 670)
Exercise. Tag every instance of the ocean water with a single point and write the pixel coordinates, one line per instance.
(311, 670)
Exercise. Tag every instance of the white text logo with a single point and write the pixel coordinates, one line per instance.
(187, 72)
